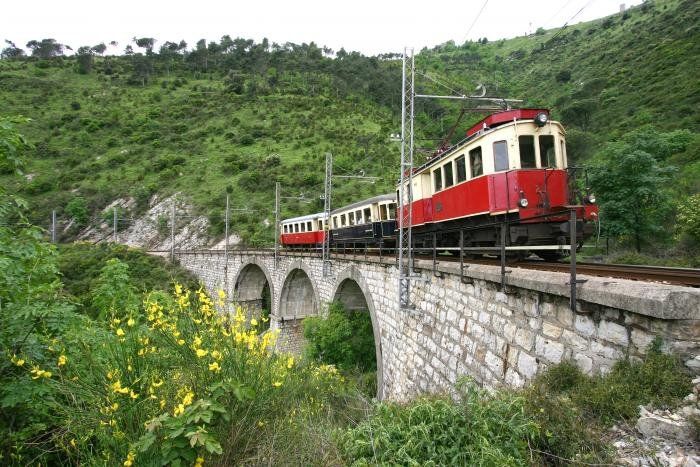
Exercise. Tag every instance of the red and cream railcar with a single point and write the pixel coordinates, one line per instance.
(304, 231)
(512, 166)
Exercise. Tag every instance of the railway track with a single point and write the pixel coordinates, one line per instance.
(680, 276)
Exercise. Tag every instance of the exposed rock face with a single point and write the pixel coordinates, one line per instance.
(153, 229)
(662, 437)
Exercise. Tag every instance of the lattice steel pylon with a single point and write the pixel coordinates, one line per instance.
(405, 192)
(327, 216)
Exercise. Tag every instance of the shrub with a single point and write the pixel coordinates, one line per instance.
(482, 429)
(344, 338)
(77, 208)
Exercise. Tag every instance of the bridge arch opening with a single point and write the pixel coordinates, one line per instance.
(252, 291)
(298, 298)
(351, 293)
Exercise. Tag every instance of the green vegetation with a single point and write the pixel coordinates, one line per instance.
(234, 116)
(344, 338)
(80, 265)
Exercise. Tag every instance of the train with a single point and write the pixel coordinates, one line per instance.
(510, 170)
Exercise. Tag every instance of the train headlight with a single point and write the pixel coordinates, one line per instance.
(591, 198)
(541, 119)
(523, 202)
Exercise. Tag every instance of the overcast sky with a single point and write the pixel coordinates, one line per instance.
(368, 26)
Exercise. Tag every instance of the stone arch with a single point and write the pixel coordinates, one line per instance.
(352, 291)
(250, 284)
(299, 295)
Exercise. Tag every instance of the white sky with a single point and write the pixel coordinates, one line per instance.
(371, 27)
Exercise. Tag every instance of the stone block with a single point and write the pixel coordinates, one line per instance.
(548, 349)
(641, 339)
(573, 340)
(584, 325)
(550, 330)
(524, 338)
(527, 365)
(513, 379)
(494, 363)
(613, 332)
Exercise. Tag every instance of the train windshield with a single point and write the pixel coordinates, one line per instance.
(500, 156)
(527, 152)
(547, 153)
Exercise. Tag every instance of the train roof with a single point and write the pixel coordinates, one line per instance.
(308, 217)
(374, 199)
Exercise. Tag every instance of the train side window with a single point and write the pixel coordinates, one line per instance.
(351, 218)
(392, 211)
(344, 220)
(563, 152)
(368, 215)
(475, 163)
(382, 212)
(296, 228)
(309, 227)
(500, 156)
(527, 152)
(447, 170)
(461, 169)
(437, 179)
(358, 217)
(547, 152)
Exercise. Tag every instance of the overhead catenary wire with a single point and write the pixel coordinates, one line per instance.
(570, 20)
(466, 36)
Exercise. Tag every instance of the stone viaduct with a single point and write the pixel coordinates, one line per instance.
(463, 323)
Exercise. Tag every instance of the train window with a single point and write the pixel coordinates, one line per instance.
(500, 156)
(284, 228)
(320, 225)
(351, 218)
(475, 163)
(368, 215)
(344, 220)
(382, 212)
(447, 172)
(309, 228)
(358, 216)
(296, 228)
(461, 169)
(437, 179)
(392, 211)
(563, 152)
(303, 227)
(527, 152)
(547, 154)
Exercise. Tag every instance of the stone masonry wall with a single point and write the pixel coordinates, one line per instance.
(469, 327)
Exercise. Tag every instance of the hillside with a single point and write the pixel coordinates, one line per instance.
(235, 116)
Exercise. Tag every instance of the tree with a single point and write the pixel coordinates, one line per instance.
(100, 48)
(84, 57)
(629, 183)
(145, 43)
(688, 217)
(11, 51)
(77, 208)
(46, 48)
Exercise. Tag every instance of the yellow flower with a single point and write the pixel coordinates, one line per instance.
(187, 400)
(131, 322)
(222, 294)
(62, 360)
(129, 459)
(120, 332)
(72, 442)
(17, 361)
(162, 403)
(214, 367)
(290, 362)
(277, 384)
(179, 410)
(199, 462)
(197, 341)
(117, 388)
(180, 342)
(133, 395)
(157, 384)
(178, 289)
(39, 373)
(201, 352)
(216, 354)
(253, 322)
(116, 321)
